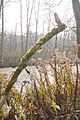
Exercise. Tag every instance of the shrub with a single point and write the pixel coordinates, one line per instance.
(54, 92)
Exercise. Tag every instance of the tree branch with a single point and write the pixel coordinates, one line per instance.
(24, 60)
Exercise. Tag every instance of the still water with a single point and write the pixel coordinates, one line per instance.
(24, 76)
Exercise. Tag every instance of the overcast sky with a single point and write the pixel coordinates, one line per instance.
(12, 14)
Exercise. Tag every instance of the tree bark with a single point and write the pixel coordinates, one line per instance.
(37, 19)
(24, 60)
(28, 22)
(2, 38)
(76, 9)
(21, 28)
(1, 4)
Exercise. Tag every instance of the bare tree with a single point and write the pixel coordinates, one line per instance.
(2, 38)
(49, 16)
(29, 14)
(1, 4)
(15, 37)
(43, 16)
(36, 19)
(1, 42)
(64, 41)
(21, 27)
(76, 9)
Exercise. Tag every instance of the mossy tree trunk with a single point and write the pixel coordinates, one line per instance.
(24, 60)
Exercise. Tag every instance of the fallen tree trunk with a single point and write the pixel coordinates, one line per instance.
(27, 56)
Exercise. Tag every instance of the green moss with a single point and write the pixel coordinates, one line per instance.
(13, 79)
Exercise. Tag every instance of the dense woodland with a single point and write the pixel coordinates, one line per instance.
(50, 43)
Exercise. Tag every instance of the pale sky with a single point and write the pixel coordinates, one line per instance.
(12, 15)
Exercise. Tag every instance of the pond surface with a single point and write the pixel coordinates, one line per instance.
(24, 76)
